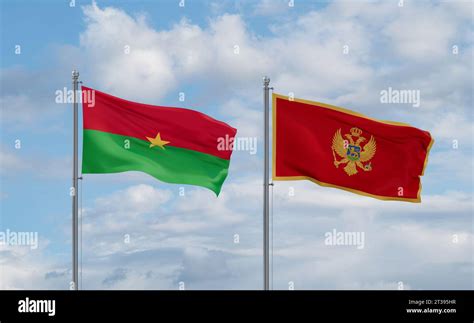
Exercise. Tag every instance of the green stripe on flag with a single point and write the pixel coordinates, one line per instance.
(105, 152)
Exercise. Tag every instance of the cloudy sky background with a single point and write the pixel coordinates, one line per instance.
(138, 233)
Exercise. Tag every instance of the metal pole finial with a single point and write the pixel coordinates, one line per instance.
(266, 81)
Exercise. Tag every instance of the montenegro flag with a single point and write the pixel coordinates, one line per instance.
(339, 148)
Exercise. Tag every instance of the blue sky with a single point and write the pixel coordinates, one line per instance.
(423, 45)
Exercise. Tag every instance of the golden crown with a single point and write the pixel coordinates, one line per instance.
(356, 132)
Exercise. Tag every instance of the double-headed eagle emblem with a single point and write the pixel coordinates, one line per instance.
(351, 151)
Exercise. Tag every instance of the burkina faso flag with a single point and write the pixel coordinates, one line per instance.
(174, 145)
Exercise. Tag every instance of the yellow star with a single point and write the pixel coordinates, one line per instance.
(157, 141)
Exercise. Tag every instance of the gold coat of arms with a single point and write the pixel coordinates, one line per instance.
(352, 152)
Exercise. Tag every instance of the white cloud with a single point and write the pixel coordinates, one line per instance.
(194, 241)
(26, 107)
(304, 192)
(303, 55)
(24, 268)
(146, 65)
(271, 7)
(453, 126)
(11, 162)
(159, 61)
(455, 162)
(134, 200)
(429, 23)
(17, 108)
(207, 229)
(245, 117)
(22, 161)
(124, 211)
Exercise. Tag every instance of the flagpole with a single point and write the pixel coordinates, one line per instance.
(75, 244)
(266, 184)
